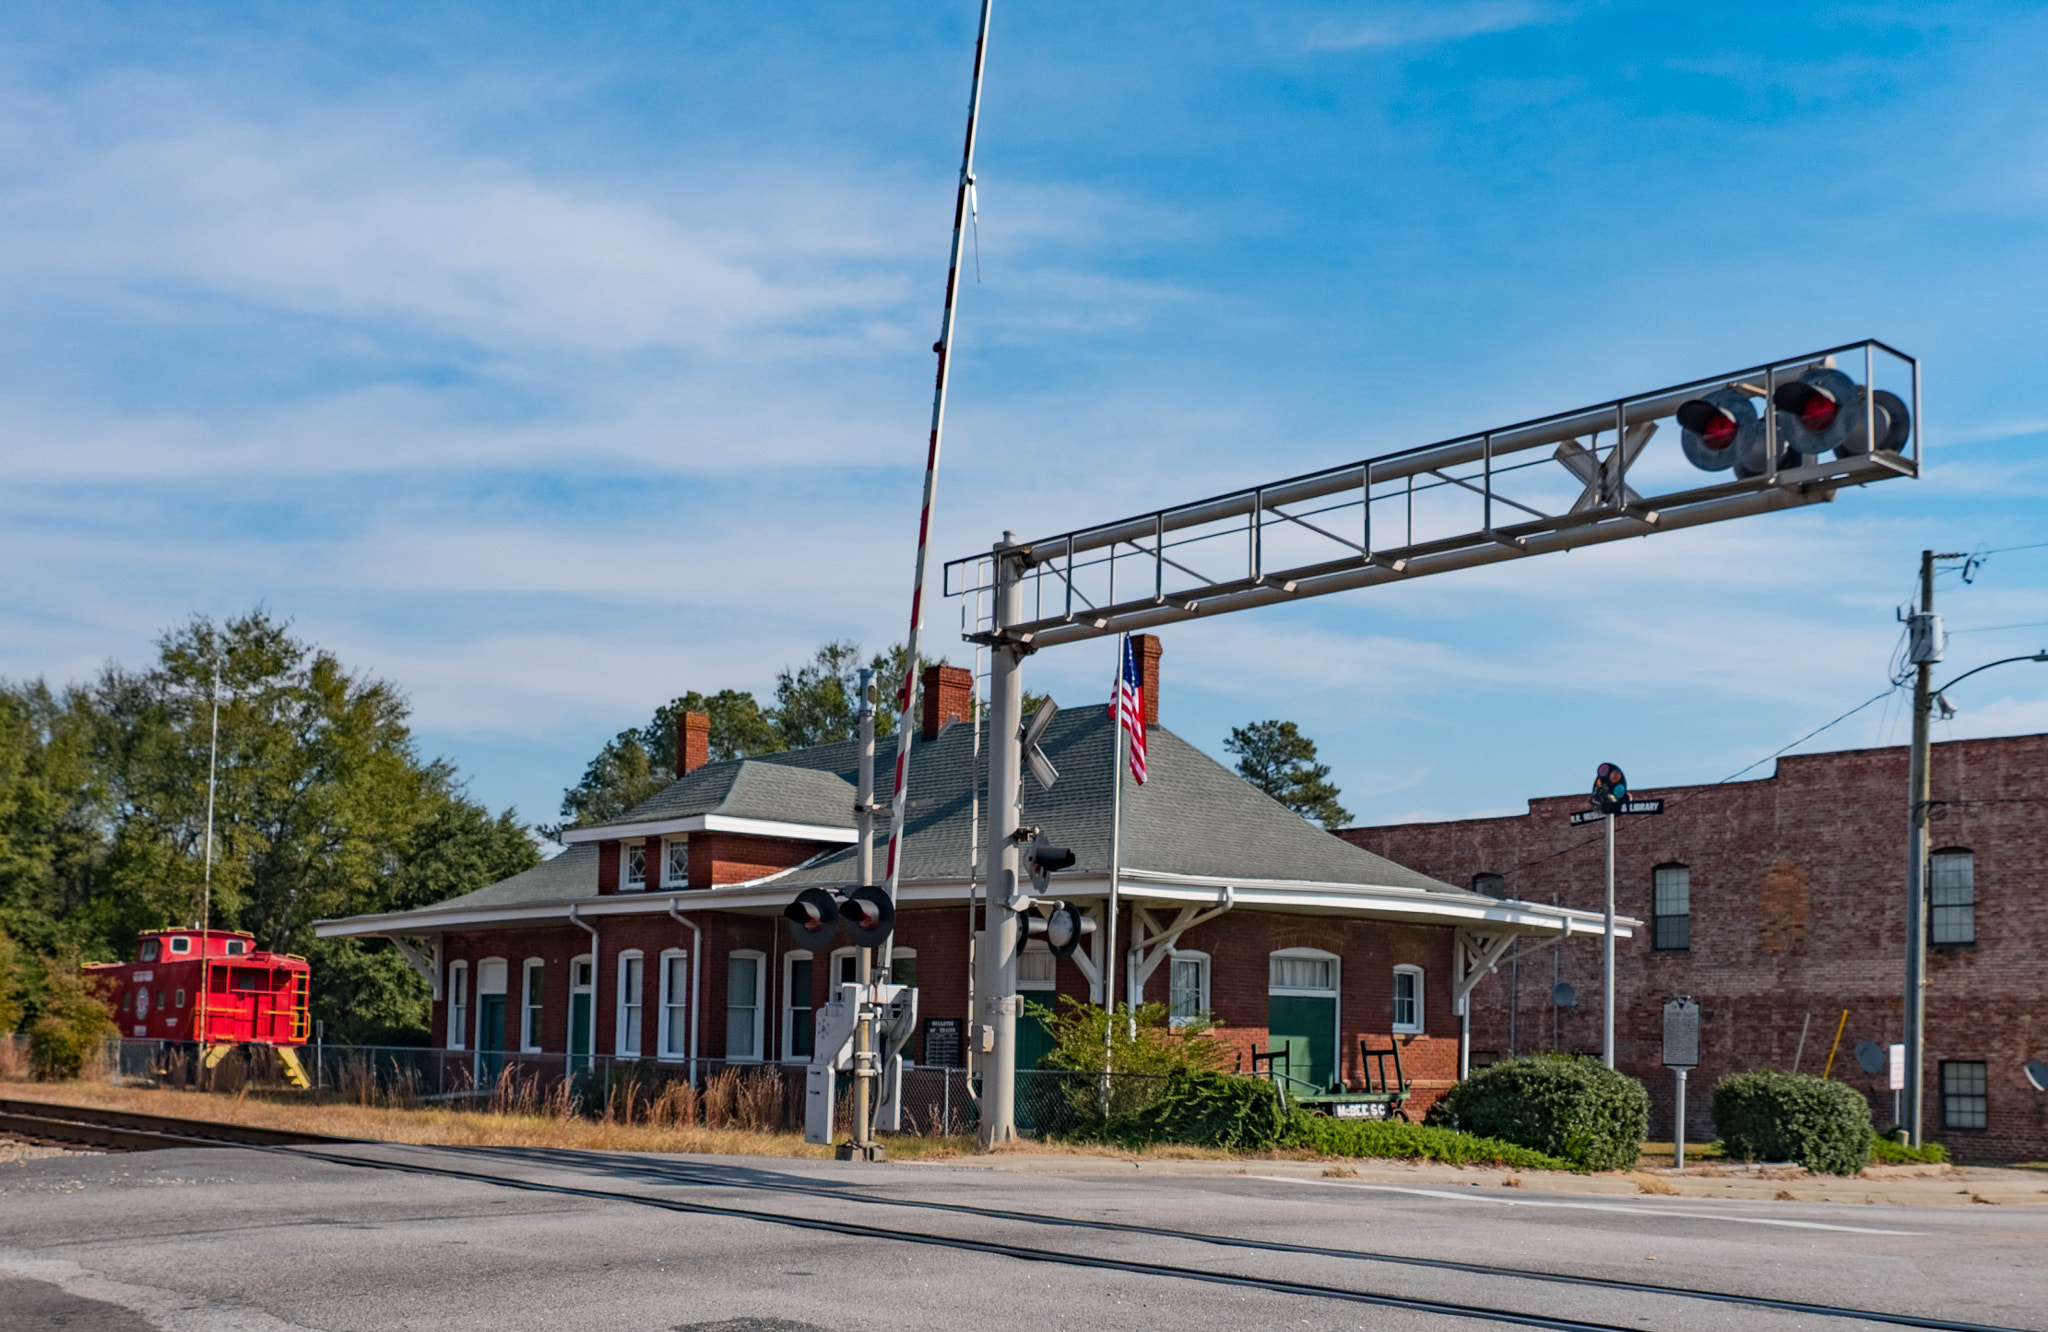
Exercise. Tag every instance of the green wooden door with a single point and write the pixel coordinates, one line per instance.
(579, 1031)
(490, 1036)
(1306, 1027)
(1034, 1039)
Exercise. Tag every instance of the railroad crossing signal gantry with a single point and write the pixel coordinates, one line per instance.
(1789, 433)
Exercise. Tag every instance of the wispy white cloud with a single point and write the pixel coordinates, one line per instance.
(1416, 25)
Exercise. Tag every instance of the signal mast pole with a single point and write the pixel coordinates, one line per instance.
(206, 893)
(944, 348)
(996, 1023)
(1923, 643)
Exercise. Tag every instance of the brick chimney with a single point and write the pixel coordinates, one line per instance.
(948, 696)
(693, 742)
(1147, 648)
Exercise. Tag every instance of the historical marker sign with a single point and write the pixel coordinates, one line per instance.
(1681, 1034)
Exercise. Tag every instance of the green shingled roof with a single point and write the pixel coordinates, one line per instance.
(1193, 816)
(749, 789)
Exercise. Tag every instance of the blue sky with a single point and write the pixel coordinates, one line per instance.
(553, 360)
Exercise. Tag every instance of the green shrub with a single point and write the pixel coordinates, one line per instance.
(1410, 1142)
(1207, 1110)
(1150, 1044)
(1565, 1107)
(1236, 1113)
(1767, 1116)
(73, 1025)
(1884, 1150)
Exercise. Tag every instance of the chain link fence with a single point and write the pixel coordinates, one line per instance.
(936, 1102)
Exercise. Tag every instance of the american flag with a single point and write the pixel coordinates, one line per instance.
(1129, 705)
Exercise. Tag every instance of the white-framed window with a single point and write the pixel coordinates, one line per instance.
(845, 968)
(1952, 897)
(626, 1030)
(1965, 1095)
(1671, 905)
(1301, 971)
(532, 1003)
(799, 1021)
(181, 944)
(745, 976)
(237, 947)
(1037, 968)
(458, 1004)
(1408, 999)
(632, 866)
(1187, 985)
(675, 863)
(675, 1000)
(903, 966)
(178, 999)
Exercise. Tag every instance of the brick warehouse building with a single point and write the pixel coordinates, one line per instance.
(1778, 904)
(662, 929)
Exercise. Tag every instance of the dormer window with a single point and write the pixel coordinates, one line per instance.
(236, 947)
(675, 863)
(181, 944)
(151, 950)
(633, 865)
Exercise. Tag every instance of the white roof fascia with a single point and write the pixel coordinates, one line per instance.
(725, 823)
(1412, 904)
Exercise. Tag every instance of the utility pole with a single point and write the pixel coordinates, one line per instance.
(996, 1022)
(1924, 644)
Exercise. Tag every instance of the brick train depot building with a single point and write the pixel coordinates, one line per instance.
(1779, 905)
(662, 929)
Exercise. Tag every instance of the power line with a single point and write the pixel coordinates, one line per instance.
(1993, 628)
(1679, 800)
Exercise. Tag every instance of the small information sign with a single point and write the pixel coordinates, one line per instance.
(1898, 1068)
(942, 1042)
(1681, 1034)
(1624, 807)
(1361, 1109)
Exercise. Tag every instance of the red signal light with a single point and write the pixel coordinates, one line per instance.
(1815, 407)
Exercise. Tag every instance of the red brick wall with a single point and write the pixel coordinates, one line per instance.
(1238, 945)
(1798, 913)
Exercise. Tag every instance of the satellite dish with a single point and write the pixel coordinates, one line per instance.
(1563, 995)
(2037, 1074)
(1871, 1057)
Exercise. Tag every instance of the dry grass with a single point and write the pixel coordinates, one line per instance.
(541, 1126)
(1646, 1183)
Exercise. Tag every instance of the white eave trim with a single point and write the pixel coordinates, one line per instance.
(1380, 903)
(724, 823)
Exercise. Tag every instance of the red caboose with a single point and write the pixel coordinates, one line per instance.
(213, 987)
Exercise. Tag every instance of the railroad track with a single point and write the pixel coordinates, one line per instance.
(140, 1131)
(126, 1130)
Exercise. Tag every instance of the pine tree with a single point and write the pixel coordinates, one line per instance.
(1278, 759)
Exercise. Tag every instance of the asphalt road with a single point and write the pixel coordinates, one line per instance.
(390, 1237)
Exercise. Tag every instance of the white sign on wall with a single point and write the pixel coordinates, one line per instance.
(1898, 1078)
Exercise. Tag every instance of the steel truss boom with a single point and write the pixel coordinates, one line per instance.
(1456, 504)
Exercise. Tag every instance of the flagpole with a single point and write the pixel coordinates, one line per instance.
(1116, 837)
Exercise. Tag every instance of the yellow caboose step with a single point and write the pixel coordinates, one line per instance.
(294, 1071)
(216, 1053)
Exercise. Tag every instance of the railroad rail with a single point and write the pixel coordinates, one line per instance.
(128, 1130)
